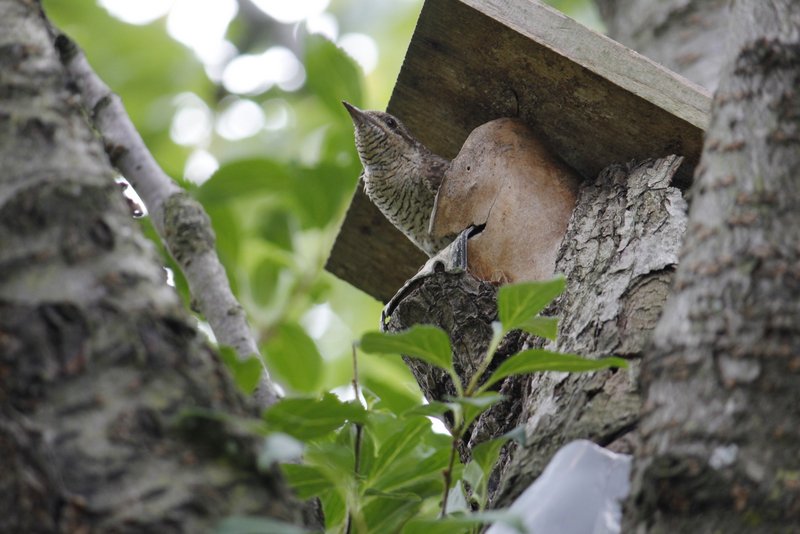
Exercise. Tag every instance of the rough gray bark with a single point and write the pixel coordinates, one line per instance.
(98, 360)
(689, 37)
(618, 256)
(721, 421)
(180, 221)
(465, 308)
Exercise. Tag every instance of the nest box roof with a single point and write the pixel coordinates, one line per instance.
(595, 101)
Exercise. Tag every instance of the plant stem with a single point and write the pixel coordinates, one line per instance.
(355, 375)
(357, 443)
(497, 335)
(448, 473)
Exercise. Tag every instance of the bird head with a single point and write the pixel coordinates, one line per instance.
(382, 140)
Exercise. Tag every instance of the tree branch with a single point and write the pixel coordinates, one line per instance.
(180, 221)
(720, 383)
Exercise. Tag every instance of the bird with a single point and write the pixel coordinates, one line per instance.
(401, 175)
(504, 201)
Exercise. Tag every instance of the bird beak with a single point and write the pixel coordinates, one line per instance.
(356, 114)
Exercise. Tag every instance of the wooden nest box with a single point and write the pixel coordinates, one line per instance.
(595, 101)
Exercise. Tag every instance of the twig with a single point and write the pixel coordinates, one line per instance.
(448, 473)
(357, 451)
(180, 221)
(357, 444)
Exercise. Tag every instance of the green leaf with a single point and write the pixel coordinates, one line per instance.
(473, 475)
(536, 360)
(402, 443)
(246, 373)
(331, 74)
(428, 343)
(546, 327)
(518, 303)
(461, 522)
(293, 356)
(256, 525)
(394, 495)
(243, 179)
(334, 509)
(456, 499)
(335, 459)
(471, 407)
(309, 418)
(264, 281)
(394, 392)
(485, 454)
(276, 225)
(367, 454)
(435, 409)
(228, 231)
(319, 193)
(388, 514)
(306, 480)
(411, 460)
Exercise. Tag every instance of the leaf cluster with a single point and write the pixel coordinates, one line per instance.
(378, 469)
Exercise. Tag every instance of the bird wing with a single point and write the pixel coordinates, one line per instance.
(435, 175)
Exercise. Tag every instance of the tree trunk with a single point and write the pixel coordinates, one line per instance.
(721, 422)
(99, 363)
(689, 37)
(618, 256)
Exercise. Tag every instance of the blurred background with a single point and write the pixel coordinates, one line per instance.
(239, 101)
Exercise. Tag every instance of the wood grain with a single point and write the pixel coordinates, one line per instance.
(594, 101)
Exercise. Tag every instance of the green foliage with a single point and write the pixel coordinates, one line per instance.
(400, 460)
(275, 203)
(244, 178)
(256, 525)
(246, 373)
(277, 198)
(147, 76)
(467, 409)
(332, 75)
(381, 470)
(294, 358)
(536, 360)
(519, 304)
(427, 343)
(307, 418)
(464, 523)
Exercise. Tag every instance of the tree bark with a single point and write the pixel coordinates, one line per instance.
(721, 421)
(618, 256)
(100, 366)
(689, 37)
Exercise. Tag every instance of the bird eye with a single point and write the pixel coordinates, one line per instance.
(391, 123)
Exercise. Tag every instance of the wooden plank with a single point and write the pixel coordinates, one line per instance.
(371, 253)
(602, 56)
(471, 61)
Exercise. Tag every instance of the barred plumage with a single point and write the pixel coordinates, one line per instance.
(401, 176)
